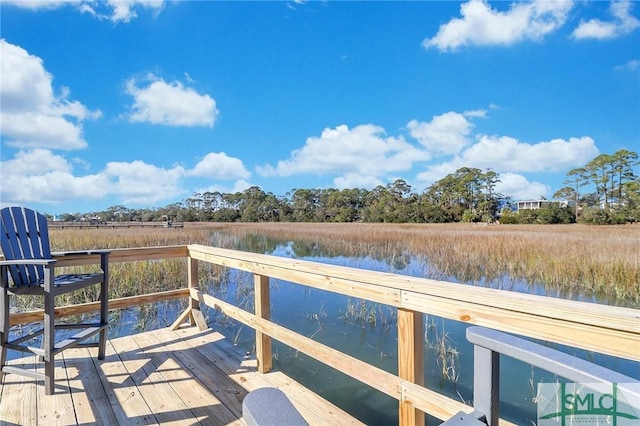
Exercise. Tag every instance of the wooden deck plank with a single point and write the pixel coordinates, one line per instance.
(227, 357)
(208, 373)
(163, 401)
(239, 367)
(129, 406)
(168, 360)
(160, 377)
(89, 397)
(58, 408)
(18, 397)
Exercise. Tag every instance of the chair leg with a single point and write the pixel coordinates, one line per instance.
(4, 327)
(104, 318)
(104, 304)
(49, 376)
(49, 342)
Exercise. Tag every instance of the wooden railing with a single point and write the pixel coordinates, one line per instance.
(605, 329)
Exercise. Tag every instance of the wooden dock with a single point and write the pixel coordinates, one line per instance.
(99, 224)
(181, 377)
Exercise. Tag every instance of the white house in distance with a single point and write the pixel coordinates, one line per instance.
(538, 204)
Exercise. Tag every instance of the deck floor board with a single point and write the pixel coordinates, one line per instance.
(157, 377)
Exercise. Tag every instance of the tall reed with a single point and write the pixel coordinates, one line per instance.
(564, 258)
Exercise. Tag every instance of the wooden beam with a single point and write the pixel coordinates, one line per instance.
(410, 361)
(182, 318)
(568, 331)
(263, 310)
(84, 308)
(381, 380)
(193, 279)
(192, 314)
(121, 255)
(606, 329)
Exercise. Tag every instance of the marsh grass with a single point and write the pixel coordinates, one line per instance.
(443, 350)
(598, 260)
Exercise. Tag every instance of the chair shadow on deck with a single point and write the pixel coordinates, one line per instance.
(170, 380)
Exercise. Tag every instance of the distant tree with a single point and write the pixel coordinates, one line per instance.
(554, 213)
(343, 206)
(467, 194)
(374, 209)
(431, 213)
(623, 163)
(613, 177)
(508, 216)
(304, 203)
(600, 174)
(565, 193)
(68, 217)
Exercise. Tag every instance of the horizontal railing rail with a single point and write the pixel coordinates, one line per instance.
(607, 329)
(593, 327)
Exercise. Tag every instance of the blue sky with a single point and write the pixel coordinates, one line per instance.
(146, 103)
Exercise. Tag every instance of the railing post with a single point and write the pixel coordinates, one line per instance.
(194, 304)
(193, 312)
(410, 361)
(486, 383)
(262, 310)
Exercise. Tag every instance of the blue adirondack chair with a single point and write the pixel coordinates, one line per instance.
(24, 239)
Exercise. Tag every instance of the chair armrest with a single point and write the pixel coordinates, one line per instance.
(79, 253)
(27, 262)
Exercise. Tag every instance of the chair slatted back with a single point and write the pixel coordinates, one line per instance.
(24, 235)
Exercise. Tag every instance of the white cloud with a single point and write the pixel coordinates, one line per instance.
(32, 116)
(482, 25)
(354, 180)
(435, 172)
(477, 113)
(444, 134)
(140, 183)
(363, 150)
(508, 154)
(622, 24)
(171, 104)
(519, 188)
(238, 186)
(112, 10)
(124, 10)
(632, 65)
(40, 4)
(38, 175)
(220, 166)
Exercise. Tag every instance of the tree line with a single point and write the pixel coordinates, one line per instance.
(466, 195)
